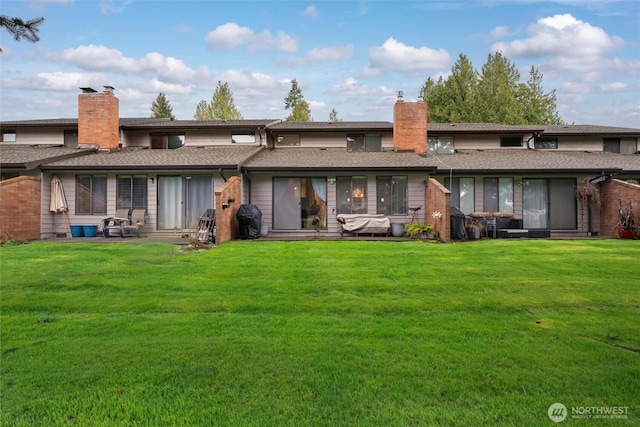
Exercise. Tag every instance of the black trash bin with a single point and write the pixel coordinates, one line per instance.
(250, 221)
(458, 219)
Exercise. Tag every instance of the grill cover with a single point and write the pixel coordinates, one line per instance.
(250, 221)
(458, 219)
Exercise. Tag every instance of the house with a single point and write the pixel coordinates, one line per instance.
(294, 172)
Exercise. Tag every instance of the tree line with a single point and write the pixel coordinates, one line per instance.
(495, 94)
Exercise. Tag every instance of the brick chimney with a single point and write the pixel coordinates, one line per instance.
(410, 125)
(98, 119)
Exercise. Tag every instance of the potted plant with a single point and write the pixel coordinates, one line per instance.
(626, 221)
(419, 229)
(587, 196)
(475, 227)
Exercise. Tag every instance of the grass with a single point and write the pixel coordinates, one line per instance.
(265, 333)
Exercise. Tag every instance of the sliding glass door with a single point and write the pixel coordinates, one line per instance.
(298, 201)
(549, 203)
(182, 200)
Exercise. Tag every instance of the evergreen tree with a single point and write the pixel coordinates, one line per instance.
(500, 92)
(161, 108)
(495, 95)
(221, 107)
(20, 29)
(460, 88)
(300, 111)
(540, 107)
(434, 94)
(295, 95)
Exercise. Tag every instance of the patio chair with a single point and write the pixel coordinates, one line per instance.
(123, 213)
(138, 217)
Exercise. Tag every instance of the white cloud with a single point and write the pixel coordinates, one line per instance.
(613, 87)
(57, 81)
(395, 55)
(333, 53)
(231, 35)
(319, 55)
(351, 87)
(159, 86)
(92, 57)
(310, 11)
(247, 80)
(228, 36)
(562, 36)
(110, 7)
(500, 32)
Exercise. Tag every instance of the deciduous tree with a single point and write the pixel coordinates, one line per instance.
(221, 107)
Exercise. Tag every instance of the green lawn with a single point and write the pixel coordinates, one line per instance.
(321, 333)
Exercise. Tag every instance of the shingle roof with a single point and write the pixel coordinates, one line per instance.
(198, 124)
(300, 159)
(187, 158)
(330, 126)
(534, 161)
(65, 122)
(523, 129)
(30, 157)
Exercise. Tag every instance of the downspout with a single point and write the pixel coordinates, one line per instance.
(246, 176)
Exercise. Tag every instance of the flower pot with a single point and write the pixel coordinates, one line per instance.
(397, 229)
(626, 233)
(89, 230)
(77, 231)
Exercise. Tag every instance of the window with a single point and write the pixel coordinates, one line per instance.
(364, 142)
(71, 138)
(243, 138)
(131, 192)
(462, 193)
(91, 195)
(351, 194)
(391, 192)
(288, 140)
(511, 141)
(164, 141)
(611, 145)
(498, 194)
(8, 136)
(440, 144)
(546, 143)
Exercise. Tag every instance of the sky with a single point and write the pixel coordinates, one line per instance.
(351, 56)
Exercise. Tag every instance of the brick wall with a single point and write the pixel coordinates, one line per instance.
(227, 227)
(20, 208)
(98, 120)
(410, 126)
(438, 198)
(611, 191)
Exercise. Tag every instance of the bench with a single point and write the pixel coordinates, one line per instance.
(363, 224)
